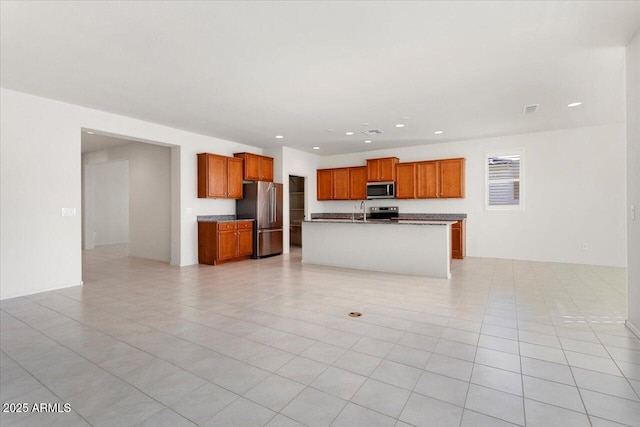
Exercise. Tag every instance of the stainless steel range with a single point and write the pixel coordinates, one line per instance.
(384, 212)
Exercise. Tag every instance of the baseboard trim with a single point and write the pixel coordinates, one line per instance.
(632, 328)
(39, 291)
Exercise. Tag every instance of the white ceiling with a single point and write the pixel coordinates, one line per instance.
(247, 71)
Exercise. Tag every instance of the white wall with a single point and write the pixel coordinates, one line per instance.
(109, 190)
(289, 161)
(633, 182)
(148, 193)
(40, 173)
(574, 193)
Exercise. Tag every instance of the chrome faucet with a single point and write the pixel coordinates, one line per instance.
(363, 206)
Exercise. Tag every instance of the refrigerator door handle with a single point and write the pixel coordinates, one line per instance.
(272, 205)
(275, 203)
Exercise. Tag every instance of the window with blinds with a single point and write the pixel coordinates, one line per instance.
(504, 183)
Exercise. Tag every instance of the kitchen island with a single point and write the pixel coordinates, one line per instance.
(419, 248)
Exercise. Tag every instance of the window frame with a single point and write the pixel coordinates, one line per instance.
(499, 153)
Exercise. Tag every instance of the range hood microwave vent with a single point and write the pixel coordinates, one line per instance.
(372, 132)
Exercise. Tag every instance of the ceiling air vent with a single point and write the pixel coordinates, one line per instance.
(372, 132)
(530, 109)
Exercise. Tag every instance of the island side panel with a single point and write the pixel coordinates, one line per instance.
(413, 249)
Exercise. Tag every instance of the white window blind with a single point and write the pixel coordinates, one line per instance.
(503, 181)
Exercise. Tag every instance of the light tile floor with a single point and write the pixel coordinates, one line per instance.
(269, 342)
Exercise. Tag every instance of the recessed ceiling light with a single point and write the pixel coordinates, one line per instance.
(400, 125)
(329, 130)
(439, 132)
(348, 133)
(367, 141)
(279, 136)
(574, 104)
(90, 133)
(365, 124)
(316, 148)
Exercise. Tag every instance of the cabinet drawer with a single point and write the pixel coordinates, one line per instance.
(222, 226)
(244, 225)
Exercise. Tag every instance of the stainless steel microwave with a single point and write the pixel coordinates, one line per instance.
(381, 190)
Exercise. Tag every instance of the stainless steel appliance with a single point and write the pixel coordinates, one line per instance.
(381, 190)
(384, 212)
(263, 202)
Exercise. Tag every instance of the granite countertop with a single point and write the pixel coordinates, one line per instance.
(401, 217)
(433, 216)
(220, 218)
(382, 221)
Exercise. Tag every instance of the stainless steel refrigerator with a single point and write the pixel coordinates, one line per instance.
(263, 202)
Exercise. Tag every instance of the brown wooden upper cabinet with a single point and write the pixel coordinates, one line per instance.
(431, 179)
(219, 176)
(256, 167)
(324, 184)
(358, 183)
(340, 183)
(406, 181)
(380, 170)
(333, 184)
(427, 180)
(451, 178)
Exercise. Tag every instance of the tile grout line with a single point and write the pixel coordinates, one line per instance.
(454, 313)
(79, 355)
(40, 382)
(118, 376)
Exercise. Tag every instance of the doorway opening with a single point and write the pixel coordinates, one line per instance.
(127, 201)
(296, 209)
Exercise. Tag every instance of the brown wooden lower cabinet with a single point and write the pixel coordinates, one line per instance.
(220, 242)
(458, 250)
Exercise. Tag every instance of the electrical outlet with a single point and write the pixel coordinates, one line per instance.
(585, 247)
(68, 211)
